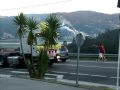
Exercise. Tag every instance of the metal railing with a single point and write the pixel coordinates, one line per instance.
(92, 55)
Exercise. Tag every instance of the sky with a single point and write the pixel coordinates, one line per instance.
(14, 7)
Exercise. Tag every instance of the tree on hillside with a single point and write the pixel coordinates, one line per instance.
(109, 38)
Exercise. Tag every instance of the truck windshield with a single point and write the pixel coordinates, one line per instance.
(63, 48)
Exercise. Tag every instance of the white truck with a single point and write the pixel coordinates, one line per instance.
(16, 59)
(55, 54)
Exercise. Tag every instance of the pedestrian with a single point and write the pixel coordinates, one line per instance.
(101, 55)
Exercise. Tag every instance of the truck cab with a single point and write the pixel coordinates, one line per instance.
(62, 53)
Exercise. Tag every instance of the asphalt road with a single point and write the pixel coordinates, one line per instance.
(89, 71)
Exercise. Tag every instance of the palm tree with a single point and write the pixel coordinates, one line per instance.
(49, 33)
(21, 22)
(32, 25)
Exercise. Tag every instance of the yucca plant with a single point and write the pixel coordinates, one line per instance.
(49, 33)
(42, 63)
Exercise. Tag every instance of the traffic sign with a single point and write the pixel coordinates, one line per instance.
(79, 39)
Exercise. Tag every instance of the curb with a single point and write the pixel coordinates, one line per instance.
(85, 85)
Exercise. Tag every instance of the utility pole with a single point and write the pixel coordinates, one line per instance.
(118, 69)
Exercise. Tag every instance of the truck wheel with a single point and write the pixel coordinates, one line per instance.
(63, 60)
(5, 63)
(50, 63)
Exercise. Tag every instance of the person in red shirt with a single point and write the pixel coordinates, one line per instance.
(101, 49)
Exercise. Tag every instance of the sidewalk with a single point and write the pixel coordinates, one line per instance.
(27, 84)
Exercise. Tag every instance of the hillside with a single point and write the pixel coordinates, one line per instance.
(89, 22)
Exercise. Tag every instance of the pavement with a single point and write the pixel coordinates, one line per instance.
(20, 83)
(28, 84)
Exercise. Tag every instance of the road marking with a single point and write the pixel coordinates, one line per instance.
(19, 72)
(114, 77)
(56, 75)
(47, 78)
(98, 75)
(80, 74)
(87, 66)
(83, 74)
(72, 73)
(59, 72)
(69, 73)
(60, 76)
(5, 76)
(98, 67)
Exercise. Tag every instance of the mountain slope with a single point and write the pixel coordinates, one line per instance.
(91, 22)
(86, 21)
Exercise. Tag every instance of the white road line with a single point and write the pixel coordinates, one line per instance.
(59, 76)
(83, 74)
(19, 72)
(80, 74)
(69, 73)
(72, 73)
(113, 77)
(47, 78)
(5, 76)
(98, 67)
(98, 75)
(87, 66)
(59, 72)
(56, 75)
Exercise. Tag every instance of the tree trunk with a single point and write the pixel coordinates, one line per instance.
(32, 64)
(25, 60)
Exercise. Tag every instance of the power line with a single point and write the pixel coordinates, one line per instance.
(36, 5)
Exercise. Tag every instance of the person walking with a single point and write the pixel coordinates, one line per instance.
(101, 55)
